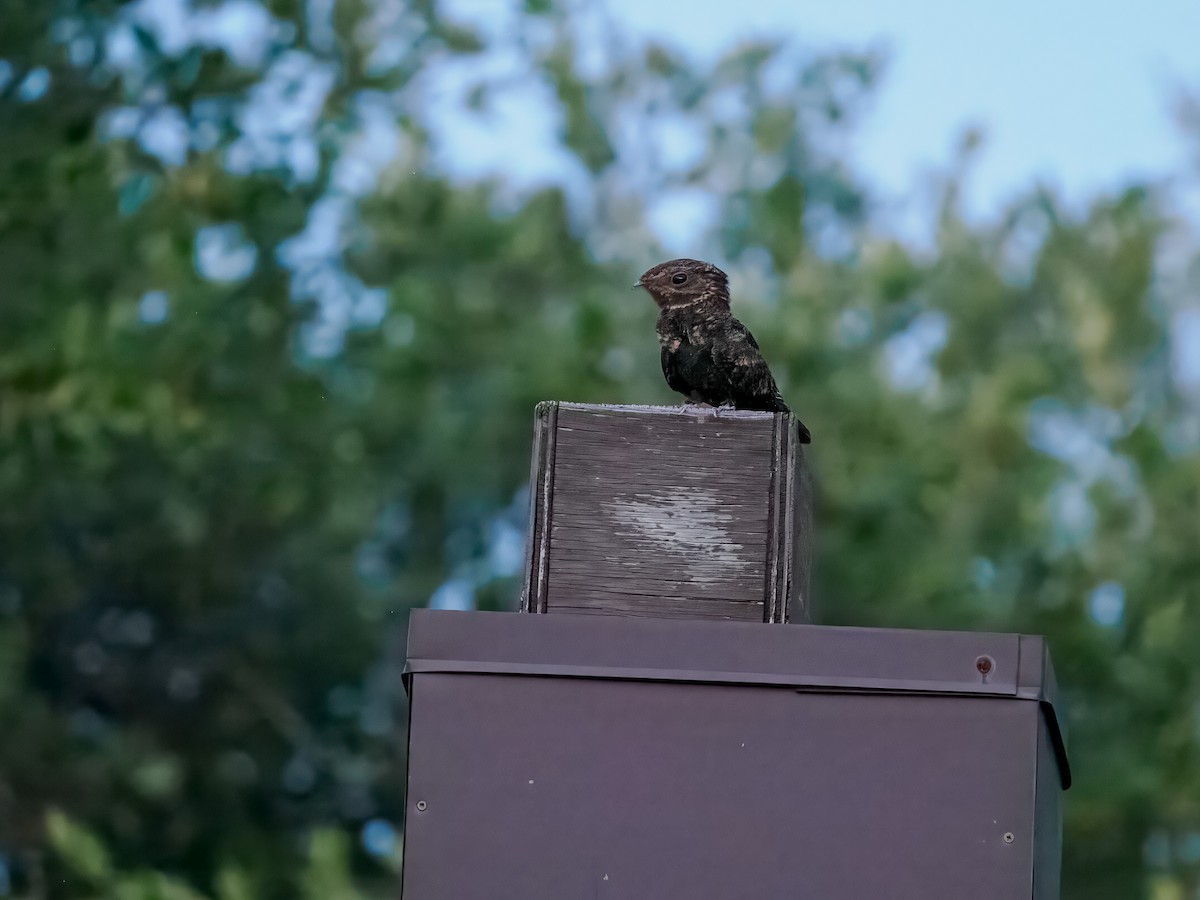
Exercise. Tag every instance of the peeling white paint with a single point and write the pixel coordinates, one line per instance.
(691, 524)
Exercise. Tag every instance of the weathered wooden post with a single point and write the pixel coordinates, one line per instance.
(647, 511)
(649, 751)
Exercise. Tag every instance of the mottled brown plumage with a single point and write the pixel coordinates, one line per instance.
(708, 355)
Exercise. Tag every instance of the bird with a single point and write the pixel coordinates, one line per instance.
(708, 355)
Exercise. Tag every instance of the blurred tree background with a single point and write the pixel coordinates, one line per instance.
(267, 377)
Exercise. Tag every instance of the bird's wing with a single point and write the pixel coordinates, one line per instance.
(670, 368)
(753, 386)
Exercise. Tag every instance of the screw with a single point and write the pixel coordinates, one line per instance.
(422, 806)
(985, 665)
(1009, 837)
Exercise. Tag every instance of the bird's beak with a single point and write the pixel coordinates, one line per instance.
(638, 283)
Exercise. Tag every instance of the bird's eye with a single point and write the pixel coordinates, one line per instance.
(678, 278)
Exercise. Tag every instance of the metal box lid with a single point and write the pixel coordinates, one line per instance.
(809, 657)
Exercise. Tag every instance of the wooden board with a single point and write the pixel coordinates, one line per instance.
(654, 511)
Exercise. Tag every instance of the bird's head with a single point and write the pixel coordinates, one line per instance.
(685, 282)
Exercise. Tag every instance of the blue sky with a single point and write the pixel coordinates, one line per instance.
(1077, 94)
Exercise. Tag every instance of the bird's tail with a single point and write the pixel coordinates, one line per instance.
(778, 405)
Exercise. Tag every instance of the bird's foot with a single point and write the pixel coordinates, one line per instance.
(725, 406)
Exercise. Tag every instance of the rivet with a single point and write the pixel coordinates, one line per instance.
(1009, 837)
(985, 665)
(422, 806)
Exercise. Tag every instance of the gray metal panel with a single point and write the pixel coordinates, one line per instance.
(1035, 680)
(1047, 859)
(730, 652)
(583, 788)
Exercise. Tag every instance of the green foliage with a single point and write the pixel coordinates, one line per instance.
(90, 873)
(327, 876)
(81, 851)
(221, 490)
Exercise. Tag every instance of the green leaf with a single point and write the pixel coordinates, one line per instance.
(327, 875)
(79, 848)
(153, 886)
(157, 777)
(234, 883)
(460, 39)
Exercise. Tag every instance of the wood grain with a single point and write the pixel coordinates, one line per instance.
(651, 511)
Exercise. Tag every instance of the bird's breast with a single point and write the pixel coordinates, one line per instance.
(680, 329)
